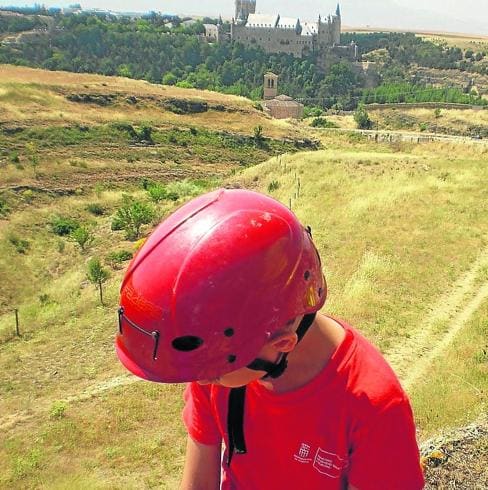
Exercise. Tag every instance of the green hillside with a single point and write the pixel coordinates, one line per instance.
(402, 229)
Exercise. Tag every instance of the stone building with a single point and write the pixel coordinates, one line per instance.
(279, 106)
(276, 34)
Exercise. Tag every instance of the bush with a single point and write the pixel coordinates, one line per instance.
(322, 122)
(362, 118)
(131, 216)
(4, 209)
(63, 226)
(58, 409)
(95, 209)
(273, 185)
(14, 157)
(82, 236)
(157, 192)
(21, 245)
(116, 258)
(145, 135)
(312, 112)
(28, 195)
(183, 188)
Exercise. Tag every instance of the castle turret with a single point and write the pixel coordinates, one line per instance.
(336, 26)
(243, 9)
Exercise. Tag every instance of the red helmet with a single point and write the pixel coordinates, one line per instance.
(212, 283)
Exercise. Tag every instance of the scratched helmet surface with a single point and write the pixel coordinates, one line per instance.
(212, 283)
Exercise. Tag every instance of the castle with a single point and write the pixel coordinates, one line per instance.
(276, 34)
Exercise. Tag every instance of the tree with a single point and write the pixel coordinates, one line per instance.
(97, 275)
(131, 216)
(33, 156)
(258, 135)
(82, 236)
(362, 118)
(169, 78)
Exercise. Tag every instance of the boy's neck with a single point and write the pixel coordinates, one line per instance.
(310, 355)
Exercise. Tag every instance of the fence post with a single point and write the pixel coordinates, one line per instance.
(17, 330)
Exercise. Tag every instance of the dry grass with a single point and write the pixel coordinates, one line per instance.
(31, 96)
(397, 225)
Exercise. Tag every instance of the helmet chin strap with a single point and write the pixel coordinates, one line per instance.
(235, 414)
(276, 369)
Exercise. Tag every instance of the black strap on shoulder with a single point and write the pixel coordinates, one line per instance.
(237, 396)
(235, 422)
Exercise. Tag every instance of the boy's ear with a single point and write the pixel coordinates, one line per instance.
(285, 342)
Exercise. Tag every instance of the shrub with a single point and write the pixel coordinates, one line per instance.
(62, 226)
(312, 112)
(44, 299)
(95, 209)
(273, 185)
(145, 135)
(14, 157)
(21, 245)
(322, 122)
(182, 189)
(258, 135)
(362, 118)
(82, 236)
(131, 216)
(4, 209)
(28, 195)
(423, 127)
(157, 192)
(116, 258)
(58, 409)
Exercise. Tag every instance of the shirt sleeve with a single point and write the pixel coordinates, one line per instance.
(198, 415)
(385, 453)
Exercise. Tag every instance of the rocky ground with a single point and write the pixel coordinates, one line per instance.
(458, 460)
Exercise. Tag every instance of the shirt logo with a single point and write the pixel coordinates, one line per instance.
(303, 454)
(329, 464)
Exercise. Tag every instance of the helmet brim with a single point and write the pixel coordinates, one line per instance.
(129, 364)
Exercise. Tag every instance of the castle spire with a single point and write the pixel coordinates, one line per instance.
(338, 10)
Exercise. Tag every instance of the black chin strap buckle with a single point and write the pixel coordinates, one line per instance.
(273, 370)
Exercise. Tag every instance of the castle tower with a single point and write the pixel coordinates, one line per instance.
(243, 9)
(270, 85)
(336, 26)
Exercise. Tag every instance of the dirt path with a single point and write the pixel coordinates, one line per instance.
(413, 357)
(410, 360)
(19, 417)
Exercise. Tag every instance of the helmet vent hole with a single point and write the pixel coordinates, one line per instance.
(187, 343)
(320, 291)
(306, 276)
(231, 358)
(229, 332)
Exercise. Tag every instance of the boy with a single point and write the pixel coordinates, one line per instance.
(225, 294)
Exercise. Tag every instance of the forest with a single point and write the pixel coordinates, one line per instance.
(147, 48)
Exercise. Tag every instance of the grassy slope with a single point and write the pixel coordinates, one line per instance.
(397, 225)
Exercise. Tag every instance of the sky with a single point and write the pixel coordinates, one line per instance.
(466, 16)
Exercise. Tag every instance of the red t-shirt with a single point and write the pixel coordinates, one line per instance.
(351, 424)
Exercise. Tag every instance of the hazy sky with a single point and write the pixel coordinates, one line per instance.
(449, 15)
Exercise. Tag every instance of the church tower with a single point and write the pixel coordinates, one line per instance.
(243, 9)
(270, 85)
